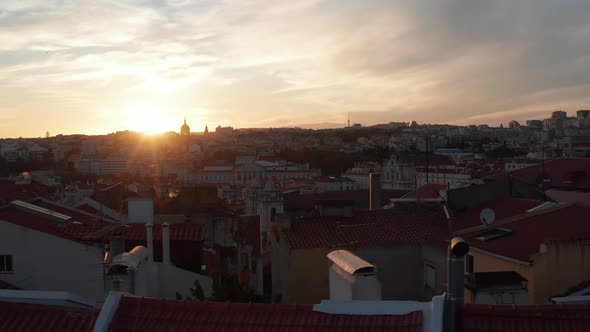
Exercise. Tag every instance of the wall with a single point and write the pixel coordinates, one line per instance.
(306, 279)
(484, 262)
(46, 262)
(559, 267)
(502, 296)
(562, 266)
(172, 280)
(399, 269)
(438, 257)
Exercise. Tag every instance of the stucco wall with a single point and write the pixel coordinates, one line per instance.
(399, 270)
(438, 257)
(562, 266)
(46, 262)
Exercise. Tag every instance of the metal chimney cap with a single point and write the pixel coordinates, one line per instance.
(459, 247)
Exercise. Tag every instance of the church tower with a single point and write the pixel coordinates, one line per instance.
(185, 130)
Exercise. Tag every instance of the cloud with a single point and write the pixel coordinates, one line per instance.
(289, 62)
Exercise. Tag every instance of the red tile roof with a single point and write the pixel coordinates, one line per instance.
(571, 173)
(509, 318)
(89, 209)
(563, 224)
(71, 231)
(24, 317)
(88, 225)
(403, 224)
(429, 190)
(154, 315)
(359, 197)
(503, 207)
(10, 191)
(114, 197)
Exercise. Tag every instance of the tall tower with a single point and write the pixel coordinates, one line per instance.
(270, 203)
(185, 130)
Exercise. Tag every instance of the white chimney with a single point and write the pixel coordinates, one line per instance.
(166, 243)
(149, 228)
(140, 211)
(352, 278)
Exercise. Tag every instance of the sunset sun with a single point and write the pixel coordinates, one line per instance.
(151, 120)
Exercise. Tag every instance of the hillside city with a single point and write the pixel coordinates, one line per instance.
(418, 226)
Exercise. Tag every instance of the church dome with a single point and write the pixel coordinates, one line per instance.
(185, 130)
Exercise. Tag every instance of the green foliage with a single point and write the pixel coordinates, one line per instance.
(197, 291)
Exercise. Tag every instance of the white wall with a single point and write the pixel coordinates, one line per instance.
(46, 262)
(172, 279)
(519, 296)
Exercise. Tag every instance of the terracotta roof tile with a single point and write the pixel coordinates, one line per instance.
(567, 223)
(10, 191)
(153, 315)
(359, 197)
(114, 197)
(21, 317)
(508, 318)
(571, 173)
(406, 223)
(88, 225)
(428, 190)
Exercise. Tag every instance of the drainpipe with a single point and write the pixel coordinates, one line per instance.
(150, 241)
(454, 300)
(166, 243)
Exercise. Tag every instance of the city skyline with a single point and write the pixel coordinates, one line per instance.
(101, 67)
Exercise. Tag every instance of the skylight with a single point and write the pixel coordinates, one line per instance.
(493, 234)
(40, 211)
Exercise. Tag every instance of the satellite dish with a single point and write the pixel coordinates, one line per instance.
(487, 216)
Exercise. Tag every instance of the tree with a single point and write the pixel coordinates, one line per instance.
(197, 291)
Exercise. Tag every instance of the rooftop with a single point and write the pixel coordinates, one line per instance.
(528, 231)
(403, 224)
(17, 317)
(510, 318)
(114, 197)
(360, 198)
(572, 173)
(154, 315)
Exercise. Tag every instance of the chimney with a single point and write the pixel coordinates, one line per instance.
(352, 278)
(454, 300)
(166, 243)
(140, 210)
(374, 191)
(149, 228)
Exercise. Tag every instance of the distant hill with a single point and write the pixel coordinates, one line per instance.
(323, 125)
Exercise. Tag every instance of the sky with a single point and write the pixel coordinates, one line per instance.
(98, 66)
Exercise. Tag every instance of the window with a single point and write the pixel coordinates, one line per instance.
(429, 275)
(468, 264)
(6, 264)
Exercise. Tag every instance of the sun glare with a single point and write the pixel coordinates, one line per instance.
(151, 120)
